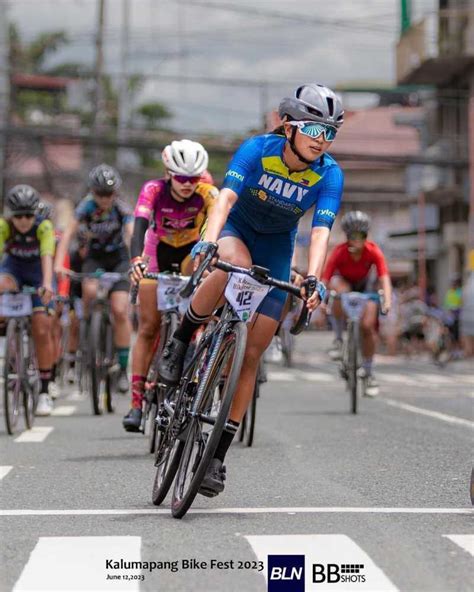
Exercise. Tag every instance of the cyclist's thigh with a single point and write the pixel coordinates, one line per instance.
(369, 316)
(7, 282)
(235, 244)
(123, 285)
(260, 334)
(148, 315)
(339, 284)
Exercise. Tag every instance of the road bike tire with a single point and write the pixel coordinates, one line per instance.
(287, 344)
(82, 360)
(169, 324)
(32, 384)
(96, 356)
(250, 416)
(109, 355)
(12, 372)
(166, 471)
(235, 342)
(352, 368)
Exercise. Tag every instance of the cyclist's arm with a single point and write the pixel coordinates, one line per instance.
(138, 238)
(386, 285)
(317, 250)
(4, 234)
(45, 235)
(384, 277)
(218, 214)
(63, 245)
(128, 233)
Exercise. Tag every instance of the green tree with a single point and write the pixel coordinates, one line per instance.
(31, 57)
(154, 114)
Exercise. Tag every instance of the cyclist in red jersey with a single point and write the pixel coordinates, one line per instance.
(348, 269)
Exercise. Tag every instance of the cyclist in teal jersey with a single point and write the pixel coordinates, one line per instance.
(271, 181)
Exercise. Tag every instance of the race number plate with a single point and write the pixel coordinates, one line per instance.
(353, 304)
(15, 305)
(245, 294)
(168, 290)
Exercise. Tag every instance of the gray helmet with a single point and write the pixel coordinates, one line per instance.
(313, 102)
(356, 221)
(104, 179)
(46, 209)
(22, 199)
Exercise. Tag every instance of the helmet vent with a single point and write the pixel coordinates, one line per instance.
(331, 105)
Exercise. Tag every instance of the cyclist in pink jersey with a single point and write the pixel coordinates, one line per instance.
(168, 217)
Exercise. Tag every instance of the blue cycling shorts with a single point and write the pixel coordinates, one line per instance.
(273, 251)
(26, 273)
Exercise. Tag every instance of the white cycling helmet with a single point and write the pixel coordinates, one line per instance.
(184, 157)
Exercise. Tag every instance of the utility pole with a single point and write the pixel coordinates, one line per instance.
(4, 97)
(98, 104)
(422, 245)
(124, 93)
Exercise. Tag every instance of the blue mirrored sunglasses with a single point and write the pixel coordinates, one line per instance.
(314, 130)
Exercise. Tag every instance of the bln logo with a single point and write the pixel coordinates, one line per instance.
(286, 573)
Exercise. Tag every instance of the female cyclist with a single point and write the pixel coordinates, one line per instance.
(271, 181)
(175, 207)
(27, 243)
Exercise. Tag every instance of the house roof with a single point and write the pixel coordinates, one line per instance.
(374, 131)
(40, 82)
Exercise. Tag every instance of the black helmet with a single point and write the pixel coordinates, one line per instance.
(22, 199)
(313, 102)
(104, 179)
(45, 209)
(356, 221)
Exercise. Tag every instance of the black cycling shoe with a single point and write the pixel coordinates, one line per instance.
(170, 366)
(133, 420)
(213, 482)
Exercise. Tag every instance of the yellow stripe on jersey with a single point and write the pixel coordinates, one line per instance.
(45, 235)
(275, 165)
(4, 234)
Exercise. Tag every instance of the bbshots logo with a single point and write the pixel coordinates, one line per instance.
(286, 573)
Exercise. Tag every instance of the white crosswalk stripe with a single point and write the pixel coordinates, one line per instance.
(63, 410)
(79, 563)
(465, 541)
(36, 434)
(4, 471)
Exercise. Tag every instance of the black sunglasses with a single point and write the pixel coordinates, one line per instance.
(20, 216)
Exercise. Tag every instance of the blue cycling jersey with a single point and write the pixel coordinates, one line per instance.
(271, 199)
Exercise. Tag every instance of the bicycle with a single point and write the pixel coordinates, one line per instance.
(194, 414)
(96, 346)
(247, 427)
(170, 304)
(21, 379)
(353, 304)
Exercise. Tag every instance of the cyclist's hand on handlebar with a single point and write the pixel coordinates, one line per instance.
(137, 270)
(313, 292)
(46, 294)
(199, 252)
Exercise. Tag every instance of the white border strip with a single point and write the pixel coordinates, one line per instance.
(289, 510)
(4, 471)
(435, 414)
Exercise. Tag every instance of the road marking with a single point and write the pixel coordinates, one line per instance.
(4, 471)
(79, 563)
(323, 548)
(465, 541)
(281, 376)
(433, 414)
(36, 434)
(274, 510)
(317, 376)
(397, 379)
(63, 410)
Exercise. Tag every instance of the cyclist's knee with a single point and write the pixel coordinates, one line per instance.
(7, 283)
(253, 353)
(119, 312)
(147, 330)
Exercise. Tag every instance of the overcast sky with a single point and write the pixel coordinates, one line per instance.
(336, 42)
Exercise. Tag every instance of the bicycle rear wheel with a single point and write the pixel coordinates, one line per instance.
(109, 356)
(203, 436)
(12, 372)
(250, 416)
(31, 383)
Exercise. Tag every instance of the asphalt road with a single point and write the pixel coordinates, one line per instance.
(387, 489)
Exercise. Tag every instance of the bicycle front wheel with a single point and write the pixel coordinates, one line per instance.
(31, 383)
(12, 372)
(204, 434)
(352, 366)
(96, 357)
(250, 416)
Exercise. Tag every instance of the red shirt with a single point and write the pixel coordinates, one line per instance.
(341, 263)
